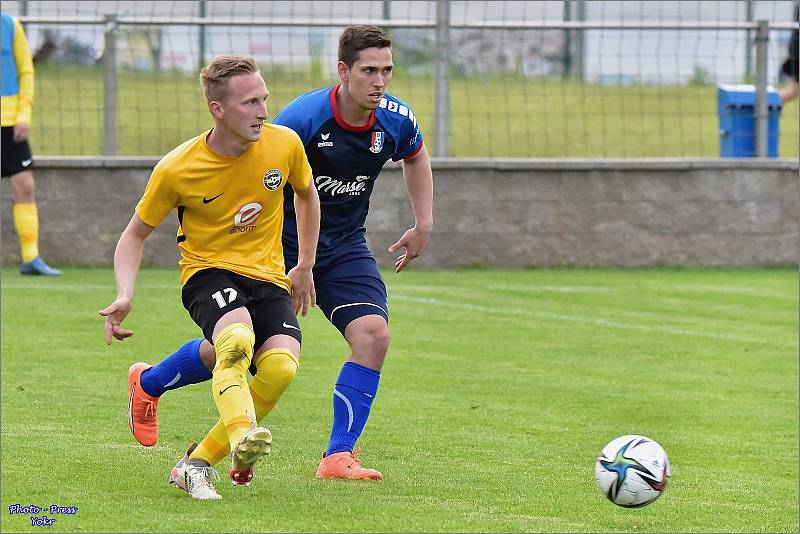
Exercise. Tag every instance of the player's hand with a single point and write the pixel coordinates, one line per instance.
(414, 241)
(115, 314)
(304, 296)
(21, 132)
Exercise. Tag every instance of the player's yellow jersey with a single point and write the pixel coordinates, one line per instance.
(230, 210)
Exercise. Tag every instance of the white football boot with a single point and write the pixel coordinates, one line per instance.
(193, 479)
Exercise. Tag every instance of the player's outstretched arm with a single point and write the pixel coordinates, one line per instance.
(419, 184)
(306, 205)
(127, 259)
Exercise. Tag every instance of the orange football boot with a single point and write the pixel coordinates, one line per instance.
(345, 465)
(142, 408)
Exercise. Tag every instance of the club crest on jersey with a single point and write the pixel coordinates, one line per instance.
(273, 179)
(377, 143)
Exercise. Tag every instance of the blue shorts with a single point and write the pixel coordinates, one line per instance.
(348, 286)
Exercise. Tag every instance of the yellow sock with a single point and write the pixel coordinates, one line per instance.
(26, 220)
(234, 346)
(276, 370)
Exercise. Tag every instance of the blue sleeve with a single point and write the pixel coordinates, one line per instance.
(292, 116)
(306, 114)
(409, 140)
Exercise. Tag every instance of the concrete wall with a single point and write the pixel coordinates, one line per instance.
(509, 213)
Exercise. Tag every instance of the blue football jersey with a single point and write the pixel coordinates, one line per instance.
(345, 161)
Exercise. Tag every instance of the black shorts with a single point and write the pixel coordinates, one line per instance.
(16, 157)
(791, 67)
(211, 293)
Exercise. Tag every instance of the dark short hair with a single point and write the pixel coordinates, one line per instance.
(356, 38)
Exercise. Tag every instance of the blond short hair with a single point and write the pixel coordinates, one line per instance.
(215, 76)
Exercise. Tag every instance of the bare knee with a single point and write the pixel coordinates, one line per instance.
(208, 355)
(369, 339)
(23, 187)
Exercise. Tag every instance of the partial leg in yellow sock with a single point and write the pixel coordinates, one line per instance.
(234, 346)
(26, 221)
(276, 368)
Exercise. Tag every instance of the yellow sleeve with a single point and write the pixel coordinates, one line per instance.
(22, 56)
(158, 200)
(300, 173)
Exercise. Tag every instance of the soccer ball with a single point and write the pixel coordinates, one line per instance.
(632, 471)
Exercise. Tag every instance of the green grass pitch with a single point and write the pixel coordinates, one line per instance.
(499, 391)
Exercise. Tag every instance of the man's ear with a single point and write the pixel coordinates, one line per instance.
(216, 110)
(344, 71)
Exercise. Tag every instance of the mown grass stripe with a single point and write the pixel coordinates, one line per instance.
(584, 319)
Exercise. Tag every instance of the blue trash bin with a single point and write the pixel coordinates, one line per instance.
(736, 105)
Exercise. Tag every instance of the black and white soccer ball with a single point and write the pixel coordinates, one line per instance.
(632, 471)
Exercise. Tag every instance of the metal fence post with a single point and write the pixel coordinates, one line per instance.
(442, 111)
(580, 46)
(110, 86)
(574, 48)
(566, 54)
(762, 38)
(23, 11)
(201, 53)
(748, 47)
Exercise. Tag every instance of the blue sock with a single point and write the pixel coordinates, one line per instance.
(181, 368)
(352, 400)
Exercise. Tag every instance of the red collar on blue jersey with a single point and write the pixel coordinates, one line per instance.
(340, 120)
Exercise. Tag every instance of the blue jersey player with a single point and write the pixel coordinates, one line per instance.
(349, 132)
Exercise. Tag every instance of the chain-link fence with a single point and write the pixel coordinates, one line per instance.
(484, 78)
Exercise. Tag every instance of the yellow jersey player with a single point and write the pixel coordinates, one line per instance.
(349, 130)
(227, 187)
(17, 161)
